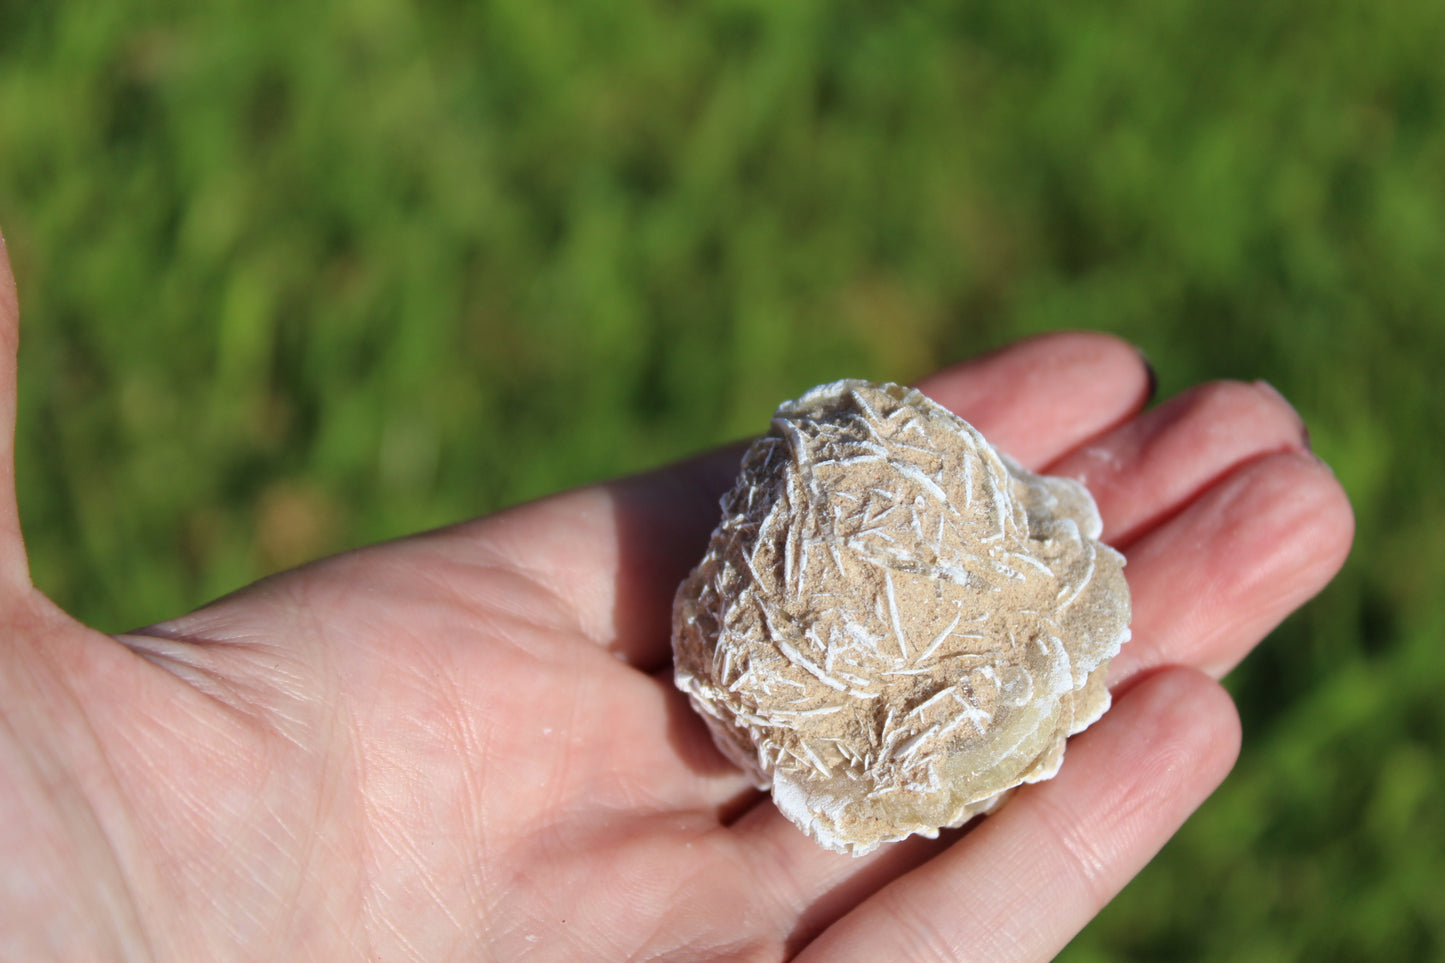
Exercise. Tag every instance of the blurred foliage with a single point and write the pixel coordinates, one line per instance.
(302, 276)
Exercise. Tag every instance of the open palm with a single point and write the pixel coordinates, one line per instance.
(467, 745)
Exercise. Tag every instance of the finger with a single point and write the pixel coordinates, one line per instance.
(1215, 579)
(14, 572)
(1148, 468)
(1042, 397)
(1028, 878)
(618, 551)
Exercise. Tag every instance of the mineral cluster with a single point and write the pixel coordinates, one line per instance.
(895, 624)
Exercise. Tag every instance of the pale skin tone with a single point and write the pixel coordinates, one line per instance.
(466, 744)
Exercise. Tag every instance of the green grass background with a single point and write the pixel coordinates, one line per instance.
(297, 277)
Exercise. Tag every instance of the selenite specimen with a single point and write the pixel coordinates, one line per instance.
(895, 624)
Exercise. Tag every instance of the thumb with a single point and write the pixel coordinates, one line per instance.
(14, 571)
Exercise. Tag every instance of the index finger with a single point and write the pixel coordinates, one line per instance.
(619, 550)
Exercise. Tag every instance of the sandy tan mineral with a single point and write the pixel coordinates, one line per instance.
(895, 624)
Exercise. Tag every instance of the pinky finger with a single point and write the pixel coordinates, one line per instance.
(1027, 879)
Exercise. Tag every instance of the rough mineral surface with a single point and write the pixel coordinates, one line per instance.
(895, 624)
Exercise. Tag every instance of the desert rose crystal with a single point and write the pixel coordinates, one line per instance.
(895, 624)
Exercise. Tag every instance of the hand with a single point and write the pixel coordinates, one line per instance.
(467, 744)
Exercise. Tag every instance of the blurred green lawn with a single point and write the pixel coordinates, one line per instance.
(298, 277)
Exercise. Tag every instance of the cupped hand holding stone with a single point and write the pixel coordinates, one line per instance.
(468, 745)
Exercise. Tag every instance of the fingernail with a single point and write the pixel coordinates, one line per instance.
(1304, 429)
(1148, 370)
(1315, 457)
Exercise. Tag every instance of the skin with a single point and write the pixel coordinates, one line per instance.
(466, 744)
